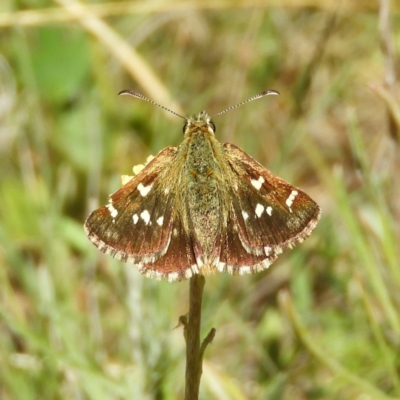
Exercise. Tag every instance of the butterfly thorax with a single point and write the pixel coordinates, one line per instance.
(202, 184)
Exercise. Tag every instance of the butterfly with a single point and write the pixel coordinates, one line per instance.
(202, 207)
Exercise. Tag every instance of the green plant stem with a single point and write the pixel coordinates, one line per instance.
(194, 351)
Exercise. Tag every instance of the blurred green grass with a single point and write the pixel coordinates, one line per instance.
(323, 323)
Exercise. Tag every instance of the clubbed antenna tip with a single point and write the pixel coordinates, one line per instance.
(257, 96)
(141, 97)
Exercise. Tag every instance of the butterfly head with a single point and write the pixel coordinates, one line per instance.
(200, 121)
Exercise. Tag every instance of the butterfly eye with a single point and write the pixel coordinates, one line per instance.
(185, 127)
(213, 127)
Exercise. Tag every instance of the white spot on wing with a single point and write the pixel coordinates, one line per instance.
(245, 215)
(258, 183)
(166, 191)
(135, 218)
(145, 216)
(112, 209)
(160, 221)
(269, 210)
(290, 199)
(259, 210)
(144, 190)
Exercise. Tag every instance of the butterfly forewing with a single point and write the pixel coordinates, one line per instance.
(270, 214)
(137, 223)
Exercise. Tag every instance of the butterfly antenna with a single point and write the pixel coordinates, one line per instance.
(257, 96)
(140, 96)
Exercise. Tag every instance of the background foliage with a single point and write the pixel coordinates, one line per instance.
(324, 322)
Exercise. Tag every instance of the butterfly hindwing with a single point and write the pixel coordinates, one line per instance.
(179, 261)
(236, 257)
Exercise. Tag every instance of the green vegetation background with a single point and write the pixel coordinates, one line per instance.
(324, 322)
